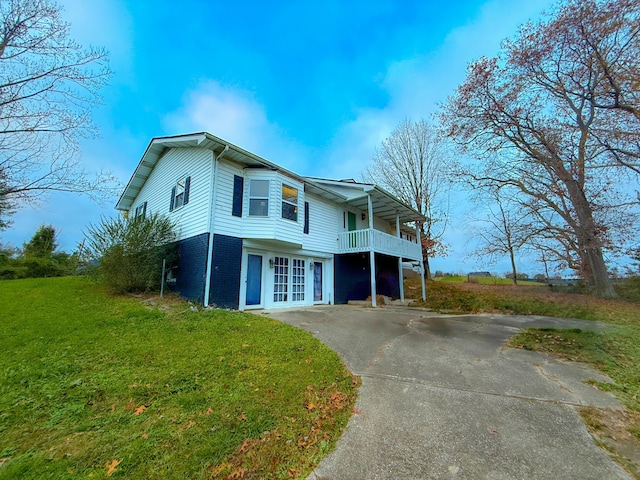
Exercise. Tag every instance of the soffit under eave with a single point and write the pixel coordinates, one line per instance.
(385, 207)
(140, 176)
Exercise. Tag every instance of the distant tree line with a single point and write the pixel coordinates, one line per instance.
(37, 258)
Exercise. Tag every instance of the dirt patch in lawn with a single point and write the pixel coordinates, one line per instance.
(618, 431)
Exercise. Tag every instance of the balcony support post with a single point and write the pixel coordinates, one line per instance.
(372, 254)
(424, 290)
(400, 274)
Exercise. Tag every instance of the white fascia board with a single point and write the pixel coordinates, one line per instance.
(147, 163)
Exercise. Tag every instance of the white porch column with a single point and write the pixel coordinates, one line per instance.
(424, 289)
(372, 255)
(401, 276)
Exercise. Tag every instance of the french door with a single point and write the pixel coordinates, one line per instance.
(289, 277)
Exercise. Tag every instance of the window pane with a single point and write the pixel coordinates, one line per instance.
(260, 188)
(289, 194)
(259, 207)
(179, 200)
(280, 279)
(290, 212)
(297, 281)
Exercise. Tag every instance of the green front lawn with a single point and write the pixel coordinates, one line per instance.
(99, 386)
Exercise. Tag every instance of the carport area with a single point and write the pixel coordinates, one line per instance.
(441, 398)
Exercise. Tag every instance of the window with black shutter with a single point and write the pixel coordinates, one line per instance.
(141, 211)
(238, 187)
(180, 193)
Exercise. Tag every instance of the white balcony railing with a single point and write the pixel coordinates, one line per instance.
(364, 240)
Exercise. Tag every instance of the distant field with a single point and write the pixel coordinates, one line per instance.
(94, 386)
(486, 280)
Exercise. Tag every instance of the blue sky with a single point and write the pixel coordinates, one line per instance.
(312, 86)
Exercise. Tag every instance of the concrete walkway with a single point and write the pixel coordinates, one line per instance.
(442, 399)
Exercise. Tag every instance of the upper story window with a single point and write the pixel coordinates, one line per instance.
(180, 193)
(259, 198)
(289, 203)
(140, 211)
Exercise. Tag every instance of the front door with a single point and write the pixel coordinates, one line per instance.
(351, 221)
(317, 282)
(254, 280)
(351, 224)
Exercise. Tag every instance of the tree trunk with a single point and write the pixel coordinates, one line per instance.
(592, 266)
(594, 270)
(601, 281)
(513, 266)
(427, 267)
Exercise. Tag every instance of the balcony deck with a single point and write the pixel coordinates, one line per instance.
(364, 240)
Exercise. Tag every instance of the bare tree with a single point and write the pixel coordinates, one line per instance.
(5, 206)
(546, 119)
(502, 231)
(412, 164)
(48, 85)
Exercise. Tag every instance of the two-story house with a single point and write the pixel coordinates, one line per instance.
(255, 235)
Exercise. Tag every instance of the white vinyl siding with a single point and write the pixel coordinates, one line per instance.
(224, 222)
(272, 226)
(323, 222)
(176, 164)
(261, 227)
(382, 225)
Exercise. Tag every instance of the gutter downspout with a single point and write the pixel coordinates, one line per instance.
(372, 254)
(401, 276)
(212, 205)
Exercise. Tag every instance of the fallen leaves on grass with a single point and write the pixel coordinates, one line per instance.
(111, 466)
(282, 450)
(238, 474)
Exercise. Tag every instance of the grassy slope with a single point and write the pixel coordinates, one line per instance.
(89, 382)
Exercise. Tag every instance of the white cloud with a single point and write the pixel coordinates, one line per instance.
(235, 115)
(229, 113)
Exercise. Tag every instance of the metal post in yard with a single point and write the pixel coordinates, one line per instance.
(164, 263)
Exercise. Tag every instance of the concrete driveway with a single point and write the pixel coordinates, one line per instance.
(441, 398)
